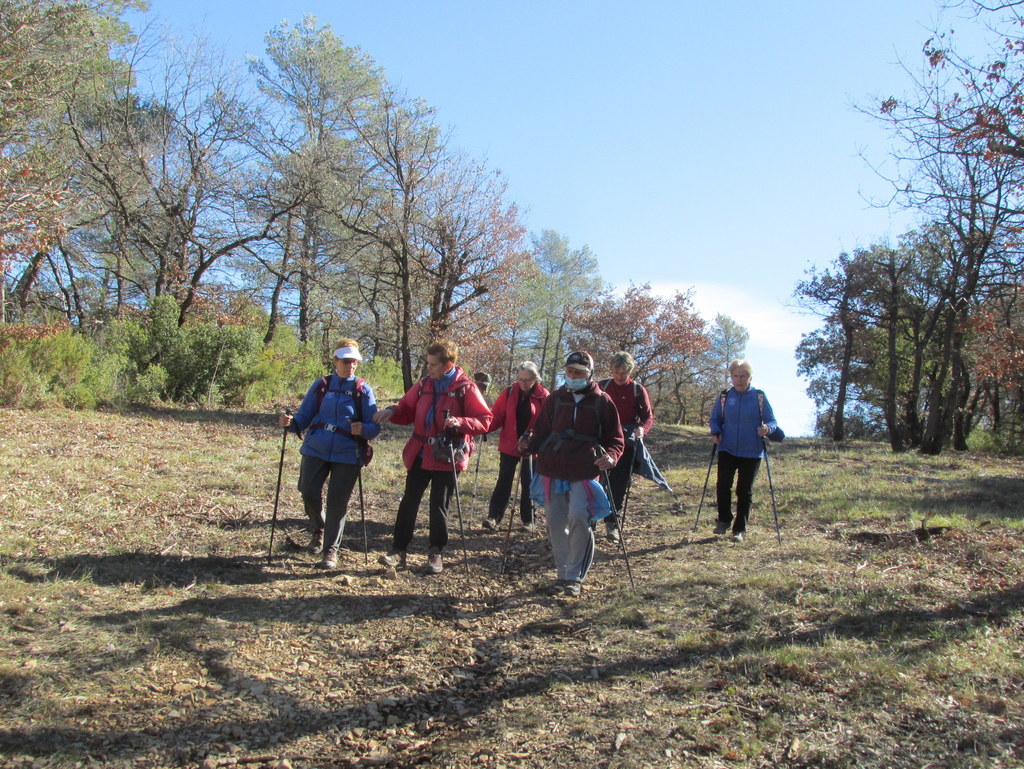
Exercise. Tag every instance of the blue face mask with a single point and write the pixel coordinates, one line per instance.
(575, 384)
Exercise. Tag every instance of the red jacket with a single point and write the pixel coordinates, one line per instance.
(570, 455)
(505, 415)
(632, 410)
(464, 401)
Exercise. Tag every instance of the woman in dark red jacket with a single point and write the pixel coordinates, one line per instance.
(515, 413)
(446, 388)
(636, 416)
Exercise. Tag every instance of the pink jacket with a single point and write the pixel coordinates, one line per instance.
(464, 401)
(505, 416)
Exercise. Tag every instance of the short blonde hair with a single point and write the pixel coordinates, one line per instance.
(445, 349)
(741, 363)
(623, 359)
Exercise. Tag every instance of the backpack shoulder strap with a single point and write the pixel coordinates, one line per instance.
(357, 399)
(321, 390)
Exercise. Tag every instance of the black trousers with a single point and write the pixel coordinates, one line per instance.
(507, 465)
(618, 479)
(313, 473)
(729, 467)
(442, 486)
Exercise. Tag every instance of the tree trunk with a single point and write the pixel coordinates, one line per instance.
(22, 289)
(838, 419)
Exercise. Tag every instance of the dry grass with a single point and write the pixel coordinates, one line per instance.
(143, 626)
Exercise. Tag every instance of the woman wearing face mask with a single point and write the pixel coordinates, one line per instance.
(577, 437)
(740, 419)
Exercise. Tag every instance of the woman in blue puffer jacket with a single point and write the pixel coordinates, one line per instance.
(740, 420)
(337, 415)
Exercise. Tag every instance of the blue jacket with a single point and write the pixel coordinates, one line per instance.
(336, 408)
(738, 424)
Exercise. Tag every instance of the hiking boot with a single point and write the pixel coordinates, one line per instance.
(613, 534)
(721, 528)
(490, 523)
(556, 588)
(737, 536)
(395, 559)
(572, 589)
(316, 542)
(434, 565)
(330, 560)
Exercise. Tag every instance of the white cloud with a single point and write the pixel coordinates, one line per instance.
(771, 324)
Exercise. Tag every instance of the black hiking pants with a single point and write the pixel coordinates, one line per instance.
(507, 465)
(442, 486)
(729, 467)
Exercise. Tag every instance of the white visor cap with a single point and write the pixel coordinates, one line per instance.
(348, 352)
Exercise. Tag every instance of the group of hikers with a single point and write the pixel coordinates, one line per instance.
(560, 444)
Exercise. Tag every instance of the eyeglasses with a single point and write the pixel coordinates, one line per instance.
(524, 381)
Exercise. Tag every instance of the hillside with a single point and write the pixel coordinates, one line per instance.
(143, 625)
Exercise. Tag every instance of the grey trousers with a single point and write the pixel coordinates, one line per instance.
(572, 539)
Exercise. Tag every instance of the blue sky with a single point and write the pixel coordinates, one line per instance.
(712, 146)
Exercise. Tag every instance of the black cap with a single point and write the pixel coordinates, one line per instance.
(581, 359)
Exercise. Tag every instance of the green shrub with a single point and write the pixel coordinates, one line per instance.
(52, 364)
(283, 371)
(385, 377)
(1009, 442)
(148, 387)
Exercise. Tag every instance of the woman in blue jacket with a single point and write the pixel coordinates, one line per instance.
(740, 420)
(337, 415)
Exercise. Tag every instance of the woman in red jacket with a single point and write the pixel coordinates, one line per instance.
(445, 389)
(515, 413)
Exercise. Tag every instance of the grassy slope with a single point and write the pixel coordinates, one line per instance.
(142, 625)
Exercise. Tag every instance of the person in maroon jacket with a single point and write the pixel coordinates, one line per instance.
(515, 412)
(445, 389)
(577, 436)
(636, 415)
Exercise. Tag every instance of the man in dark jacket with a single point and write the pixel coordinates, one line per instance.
(577, 436)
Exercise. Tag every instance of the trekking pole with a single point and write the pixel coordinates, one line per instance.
(458, 500)
(277, 494)
(771, 487)
(362, 514)
(622, 539)
(512, 514)
(714, 448)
